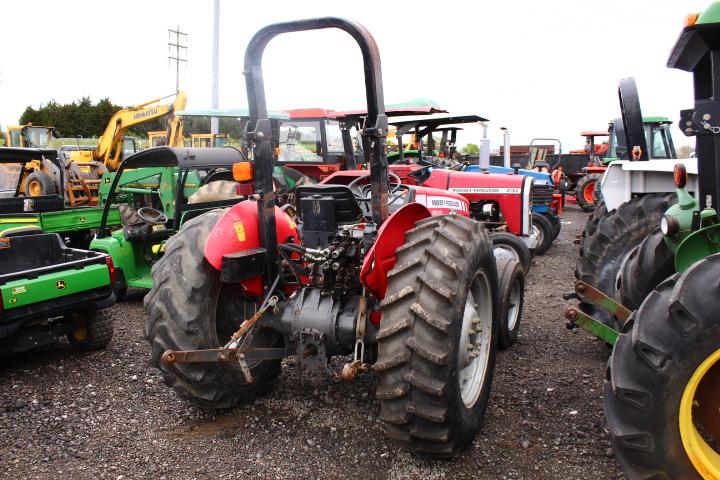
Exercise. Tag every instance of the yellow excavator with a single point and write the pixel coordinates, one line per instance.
(84, 166)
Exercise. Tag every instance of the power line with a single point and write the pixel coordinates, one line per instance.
(180, 49)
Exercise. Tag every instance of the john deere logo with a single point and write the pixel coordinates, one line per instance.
(107, 180)
(60, 284)
(83, 219)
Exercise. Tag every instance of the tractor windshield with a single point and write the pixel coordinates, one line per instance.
(334, 137)
(659, 141)
(300, 141)
(38, 137)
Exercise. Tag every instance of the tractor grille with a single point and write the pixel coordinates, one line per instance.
(541, 194)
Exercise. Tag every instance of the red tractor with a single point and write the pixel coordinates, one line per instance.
(411, 295)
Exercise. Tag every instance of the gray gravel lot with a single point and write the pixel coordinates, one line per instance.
(107, 414)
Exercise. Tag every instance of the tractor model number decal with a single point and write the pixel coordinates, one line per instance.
(239, 231)
(445, 202)
(496, 190)
(19, 290)
(60, 284)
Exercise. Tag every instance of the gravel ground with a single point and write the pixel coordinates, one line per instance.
(107, 414)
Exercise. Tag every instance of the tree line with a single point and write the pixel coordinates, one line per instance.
(88, 119)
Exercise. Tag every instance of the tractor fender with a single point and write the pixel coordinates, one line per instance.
(238, 230)
(380, 259)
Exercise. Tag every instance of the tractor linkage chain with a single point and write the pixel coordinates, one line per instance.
(577, 318)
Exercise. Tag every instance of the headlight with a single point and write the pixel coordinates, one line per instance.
(669, 226)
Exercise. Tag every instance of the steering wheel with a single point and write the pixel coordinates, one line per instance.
(362, 192)
(152, 216)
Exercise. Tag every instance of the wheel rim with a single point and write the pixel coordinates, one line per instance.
(80, 334)
(475, 339)
(699, 405)
(513, 310)
(538, 232)
(506, 251)
(35, 188)
(589, 192)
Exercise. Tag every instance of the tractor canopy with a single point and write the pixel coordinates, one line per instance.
(188, 158)
(696, 39)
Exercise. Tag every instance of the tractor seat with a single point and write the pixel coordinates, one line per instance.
(345, 205)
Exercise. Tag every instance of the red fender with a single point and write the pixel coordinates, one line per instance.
(237, 230)
(380, 259)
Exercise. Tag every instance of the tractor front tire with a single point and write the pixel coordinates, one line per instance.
(95, 330)
(585, 191)
(546, 233)
(128, 215)
(604, 253)
(514, 247)
(663, 378)
(189, 308)
(649, 263)
(38, 184)
(511, 282)
(438, 336)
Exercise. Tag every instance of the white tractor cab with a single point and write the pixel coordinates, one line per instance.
(626, 179)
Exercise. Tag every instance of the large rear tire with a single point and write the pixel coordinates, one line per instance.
(661, 402)
(438, 336)
(189, 308)
(585, 191)
(604, 252)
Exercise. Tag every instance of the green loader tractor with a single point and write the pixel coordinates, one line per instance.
(662, 396)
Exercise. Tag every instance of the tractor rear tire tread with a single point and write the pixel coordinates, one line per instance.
(649, 263)
(180, 317)
(417, 344)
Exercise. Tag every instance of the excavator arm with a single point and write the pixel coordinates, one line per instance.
(109, 147)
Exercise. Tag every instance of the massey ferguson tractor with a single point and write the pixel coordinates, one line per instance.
(411, 294)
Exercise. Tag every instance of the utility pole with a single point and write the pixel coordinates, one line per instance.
(180, 51)
(214, 124)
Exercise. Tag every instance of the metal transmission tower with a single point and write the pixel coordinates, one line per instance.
(180, 50)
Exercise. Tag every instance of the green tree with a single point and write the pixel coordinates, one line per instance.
(470, 149)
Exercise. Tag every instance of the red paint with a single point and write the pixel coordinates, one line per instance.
(380, 259)
(238, 230)
(309, 113)
(375, 317)
(593, 169)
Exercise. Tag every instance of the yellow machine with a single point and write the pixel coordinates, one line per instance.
(109, 149)
(30, 136)
(157, 138)
(81, 168)
(208, 140)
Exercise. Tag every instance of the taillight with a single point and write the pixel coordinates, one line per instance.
(111, 269)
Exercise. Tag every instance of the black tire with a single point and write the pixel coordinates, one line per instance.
(120, 287)
(189, 309)
(546, 232)
(555, 221)
(649, 263)
(675, 330)
(605, 251)
(95, 331)
(593, 220)
(43, 181)
(511, 282)
(128, 214)
(516, 247)
(583, 197)
(443, 260)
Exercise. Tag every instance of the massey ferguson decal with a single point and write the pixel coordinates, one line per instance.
(495, 190)
(445, 202)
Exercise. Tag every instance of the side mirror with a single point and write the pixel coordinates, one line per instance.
(516, 166)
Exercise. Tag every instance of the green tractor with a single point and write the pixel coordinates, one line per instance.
(662, 397)
(158, 190)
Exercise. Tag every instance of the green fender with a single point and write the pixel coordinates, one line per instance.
(696, 246)
(121, 252)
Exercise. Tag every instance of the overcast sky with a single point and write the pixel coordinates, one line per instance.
(541, 68)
